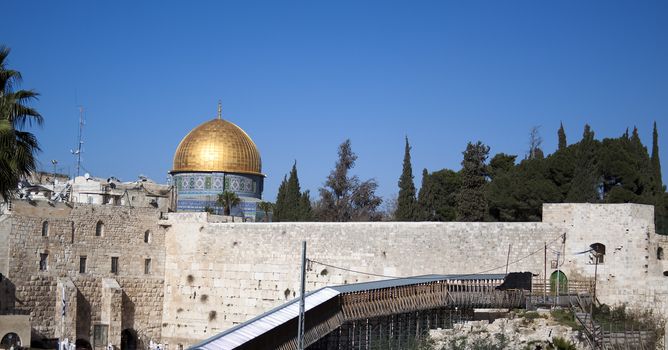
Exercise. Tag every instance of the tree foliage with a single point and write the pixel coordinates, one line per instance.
(228, 199)
(406, 203)
(345, 197)
(613, 170)
(266, 208)
(17, 147)
(583, 187)
(437, 200)
(471, 201)
(656, 163)
(291, 203)
(561, 134)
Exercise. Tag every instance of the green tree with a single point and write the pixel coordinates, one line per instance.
(406, 202)
(519, 193)
(344, 197)
(584, 184)
(291, 208)
(656, 162)
(499, 164)
(17, 147)
(291, 203)
(280, 200)
(305, 208)
(624, 169)
(471, 202)
(437, 200)
(660, 202)
(266, 208)
(562, 137)
(227, 200)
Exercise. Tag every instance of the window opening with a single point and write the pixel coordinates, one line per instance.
(82, 264)
(99, 229)
(43, 261)
(45, 229)
(114, 264)
(147, 266)
(597, 253)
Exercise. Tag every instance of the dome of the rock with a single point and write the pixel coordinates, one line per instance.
(216, 157)
(220, 146)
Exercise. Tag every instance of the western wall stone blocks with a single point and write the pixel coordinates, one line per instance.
(245, 269)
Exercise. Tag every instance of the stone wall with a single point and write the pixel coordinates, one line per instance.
(207, 274)
(72, 234)
(17, 324)
(225, 273)
(631, 272)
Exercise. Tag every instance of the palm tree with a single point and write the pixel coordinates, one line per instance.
(228, 199)
(17, 147)
(266, 207)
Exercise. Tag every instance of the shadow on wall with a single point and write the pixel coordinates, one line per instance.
(127, 312)
(8, 297)
(83, 317)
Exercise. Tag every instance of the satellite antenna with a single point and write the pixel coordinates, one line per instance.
(77, 152)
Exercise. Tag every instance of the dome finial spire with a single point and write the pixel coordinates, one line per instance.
(220, 110)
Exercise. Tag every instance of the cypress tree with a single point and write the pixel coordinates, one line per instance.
(656, 162)
(279, 207)
(661, 197)
(406, 202)
(424, 201)
(583, 185)
(292, 196)
(562, 137)
(305, 209)
(291, 203)
(471, 203)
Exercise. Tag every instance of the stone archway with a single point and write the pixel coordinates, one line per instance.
(558, 282)
(129, 339)
(9, 340)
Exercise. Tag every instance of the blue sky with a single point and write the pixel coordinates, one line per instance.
(301, 77)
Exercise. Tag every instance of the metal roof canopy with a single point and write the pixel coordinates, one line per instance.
(283, 314)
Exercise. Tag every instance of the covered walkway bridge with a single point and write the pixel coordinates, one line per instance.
(366, 315)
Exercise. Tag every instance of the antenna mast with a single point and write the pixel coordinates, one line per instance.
(77, 153)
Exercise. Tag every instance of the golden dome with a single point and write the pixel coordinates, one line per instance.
(219, 146)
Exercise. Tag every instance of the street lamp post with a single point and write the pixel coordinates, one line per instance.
(54, 162)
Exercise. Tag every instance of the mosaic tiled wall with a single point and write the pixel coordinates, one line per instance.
(196, 191)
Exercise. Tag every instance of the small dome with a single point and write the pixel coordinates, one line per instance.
(217, 146)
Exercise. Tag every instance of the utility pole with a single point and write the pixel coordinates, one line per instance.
(300, 329)
(54, 162)
(558, 277)
(508, 258)
(593, 300)
(545, 274)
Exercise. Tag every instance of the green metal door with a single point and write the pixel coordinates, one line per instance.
(560, 278)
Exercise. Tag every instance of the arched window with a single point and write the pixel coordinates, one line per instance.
(99, 229)
(147, 236)
(10, 340)
(659, 253)
(597, 253)
(45, 228)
